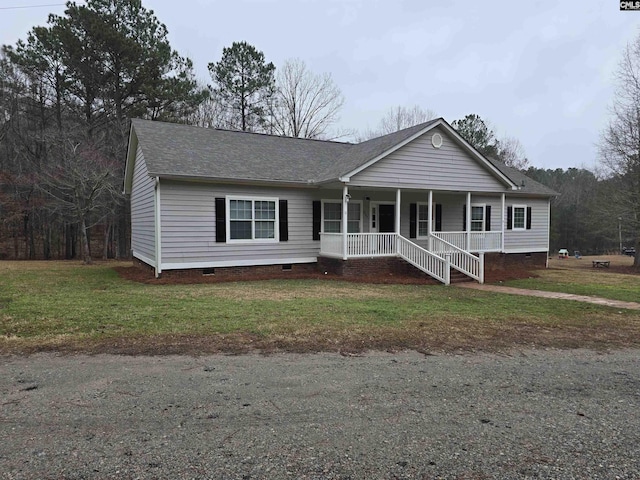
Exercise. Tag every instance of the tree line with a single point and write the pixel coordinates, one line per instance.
(67, 93)
(68, 90)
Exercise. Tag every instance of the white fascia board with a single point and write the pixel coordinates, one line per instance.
(233, 181)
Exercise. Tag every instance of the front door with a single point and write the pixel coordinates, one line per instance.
(387, 218)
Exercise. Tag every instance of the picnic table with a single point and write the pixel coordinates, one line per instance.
(600, 263)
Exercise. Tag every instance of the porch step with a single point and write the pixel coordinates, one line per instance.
(458, 277)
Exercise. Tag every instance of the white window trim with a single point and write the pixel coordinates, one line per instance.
(358, 202)
(253, 241)
(513, 218)
(426, 204)
(484, 217)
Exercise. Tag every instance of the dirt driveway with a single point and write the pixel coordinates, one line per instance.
(529, 414)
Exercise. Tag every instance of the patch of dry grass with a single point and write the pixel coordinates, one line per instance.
(67, 307)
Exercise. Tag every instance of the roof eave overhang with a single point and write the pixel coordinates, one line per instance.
(520, 193)
(234, 181)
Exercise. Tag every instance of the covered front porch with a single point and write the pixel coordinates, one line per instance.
(413, 224)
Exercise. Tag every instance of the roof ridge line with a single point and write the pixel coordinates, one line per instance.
(244, 132)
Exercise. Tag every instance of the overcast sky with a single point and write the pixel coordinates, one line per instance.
(539, 70)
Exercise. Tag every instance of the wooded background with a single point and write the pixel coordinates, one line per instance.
(68, 90)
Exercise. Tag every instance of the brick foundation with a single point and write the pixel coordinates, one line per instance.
(374, 268)
(522, 261)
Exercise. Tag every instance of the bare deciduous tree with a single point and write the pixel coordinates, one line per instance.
(511, 153)
(84, 186)
(619, 145)
(398, 118)
(306, 105)
(211, 113)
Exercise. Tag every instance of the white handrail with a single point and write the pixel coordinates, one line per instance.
(478, 241)
(430, 263)
(436, 263)
(461, 260)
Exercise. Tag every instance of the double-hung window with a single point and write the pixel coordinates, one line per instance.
(423, 220)
(519, 217)
(477, 218)
(332, 217)
(252, 219)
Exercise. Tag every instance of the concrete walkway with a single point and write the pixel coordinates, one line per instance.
(563, 296)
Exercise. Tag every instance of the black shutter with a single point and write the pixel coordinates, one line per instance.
(221, 220)
(284, 222)
(317, 220)
(487, 220)
(438, 217)
(464, 217)
(413, 220)
(528, 218)
(509, 217)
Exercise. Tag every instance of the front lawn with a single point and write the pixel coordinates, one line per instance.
(579, 277)
(65, 306)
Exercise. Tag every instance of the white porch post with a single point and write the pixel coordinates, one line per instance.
(430, 231)
(502, 222)
(345, 213)
(468, 225)
(397, 212)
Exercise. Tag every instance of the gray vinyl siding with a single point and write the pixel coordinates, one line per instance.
(536, 239)
(419, 165)
(189, 228)
(143, 239)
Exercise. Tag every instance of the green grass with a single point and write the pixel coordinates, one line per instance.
(585, 281)
(58, 303)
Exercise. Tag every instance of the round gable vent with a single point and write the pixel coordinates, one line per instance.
(436, 140)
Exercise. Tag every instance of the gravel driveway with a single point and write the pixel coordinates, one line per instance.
(533, 414)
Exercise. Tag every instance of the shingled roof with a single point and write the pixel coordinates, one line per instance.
(526, 185)
(176, 150)
(182, 151)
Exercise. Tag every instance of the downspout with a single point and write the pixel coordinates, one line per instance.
(158, 229)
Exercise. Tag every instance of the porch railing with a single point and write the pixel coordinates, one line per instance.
(478, 241)
(434, 265)
(460, 259)
(371, 244)
(358, 245)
